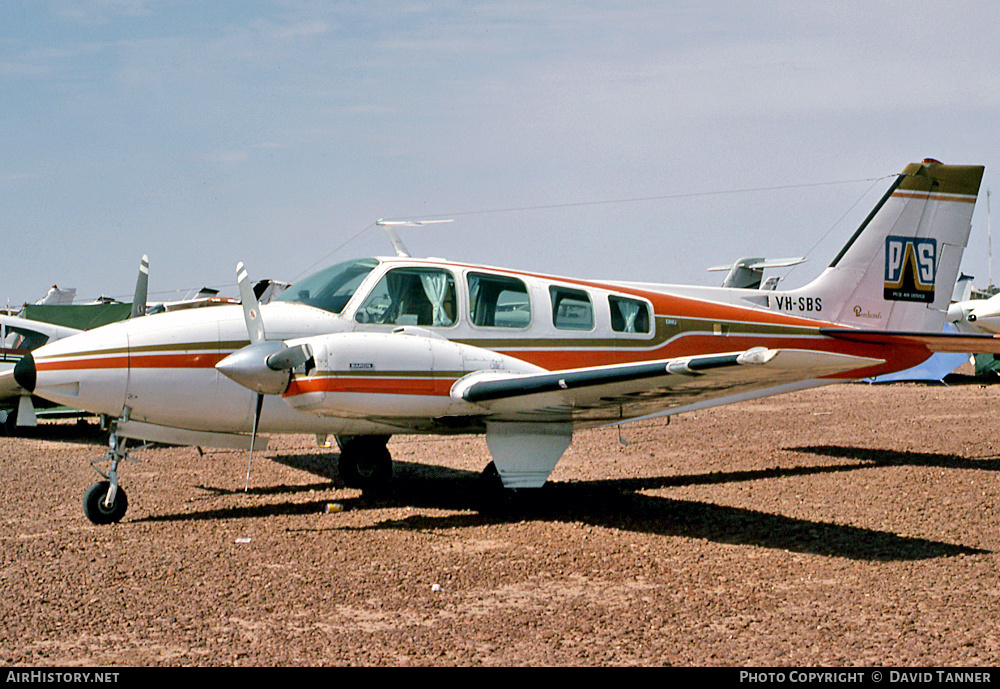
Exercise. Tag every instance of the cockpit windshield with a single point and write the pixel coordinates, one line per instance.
(330, 289)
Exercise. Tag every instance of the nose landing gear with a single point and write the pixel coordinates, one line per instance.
(105, 502)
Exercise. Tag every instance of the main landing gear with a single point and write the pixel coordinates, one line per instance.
(105, 502)
(365, 462)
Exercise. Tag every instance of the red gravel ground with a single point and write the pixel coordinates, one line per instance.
(852, 525)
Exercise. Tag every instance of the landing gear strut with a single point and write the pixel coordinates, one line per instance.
(105, 502)
(365, 462)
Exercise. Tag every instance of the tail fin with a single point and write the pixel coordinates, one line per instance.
(899, 269)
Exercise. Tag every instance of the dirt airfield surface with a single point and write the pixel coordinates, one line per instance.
(853, 525)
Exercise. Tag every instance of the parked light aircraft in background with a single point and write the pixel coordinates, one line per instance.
(976, 315)
(379, 346)
(18, 336)
(748, 272)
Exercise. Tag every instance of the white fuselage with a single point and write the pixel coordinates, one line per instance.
(160, 369)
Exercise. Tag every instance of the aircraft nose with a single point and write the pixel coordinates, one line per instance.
(87, 371)
(24, 372)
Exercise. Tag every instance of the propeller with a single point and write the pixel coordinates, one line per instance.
(141, 286)
(264, 366)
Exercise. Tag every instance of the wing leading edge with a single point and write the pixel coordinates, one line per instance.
(622, 391)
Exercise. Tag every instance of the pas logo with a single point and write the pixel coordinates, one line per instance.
(910, 266)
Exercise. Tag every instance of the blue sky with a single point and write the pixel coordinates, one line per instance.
(642, 141)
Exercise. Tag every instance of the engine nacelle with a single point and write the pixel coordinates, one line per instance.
(407, 373)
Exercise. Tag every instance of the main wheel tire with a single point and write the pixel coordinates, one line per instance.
(365, 463)
(493, 498)
(9, 423)
(95, 509)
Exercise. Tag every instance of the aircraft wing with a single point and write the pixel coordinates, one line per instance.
(610, 393)
(962, 343)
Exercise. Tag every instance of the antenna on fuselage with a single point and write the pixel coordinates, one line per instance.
(397, 243)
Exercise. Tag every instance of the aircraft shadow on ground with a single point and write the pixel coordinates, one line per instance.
(897, 458)
(618, 504)
(80, 432)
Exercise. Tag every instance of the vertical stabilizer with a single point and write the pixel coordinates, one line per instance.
(899, 269)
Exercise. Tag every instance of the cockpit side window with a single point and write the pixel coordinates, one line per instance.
(23, 339)
(331, 288)
(411, 296)
(498, 301)
(629, 315)
(571, 309)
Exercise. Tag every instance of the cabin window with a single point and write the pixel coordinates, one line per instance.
(629, 315)
(498, 301)
(331, 288)
(23, 339)
(411, 296)
(571, 309)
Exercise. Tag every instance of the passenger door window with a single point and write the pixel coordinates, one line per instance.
(498, 301)
(629, 315)
(571, 309)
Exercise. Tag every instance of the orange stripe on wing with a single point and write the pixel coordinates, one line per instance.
(374, 386)
(902, 357)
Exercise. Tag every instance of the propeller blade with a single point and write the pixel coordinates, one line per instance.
(251, 308)
(253, 437)
(141, 287)
(289, 358)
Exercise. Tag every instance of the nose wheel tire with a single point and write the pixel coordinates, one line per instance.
(95, 508)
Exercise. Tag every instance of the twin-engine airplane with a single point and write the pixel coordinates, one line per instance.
(379, 346)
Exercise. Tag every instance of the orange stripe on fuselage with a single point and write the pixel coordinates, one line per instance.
(78, 364)
(201, 360)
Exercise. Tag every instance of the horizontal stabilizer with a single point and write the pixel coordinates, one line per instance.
(961, 343)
